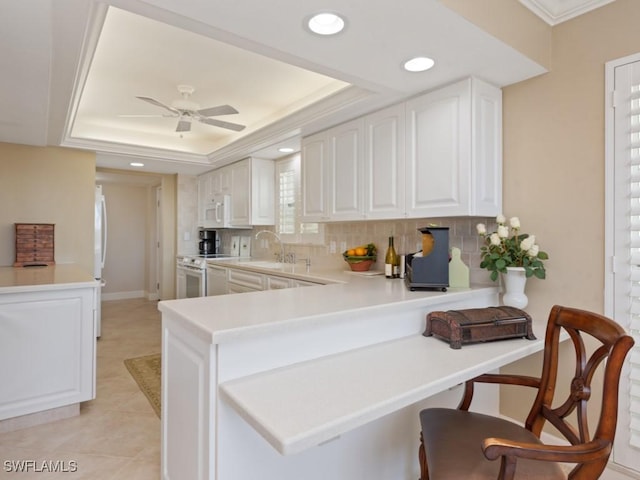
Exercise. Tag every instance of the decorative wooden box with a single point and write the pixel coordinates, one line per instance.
(460, 327)
(34, 244)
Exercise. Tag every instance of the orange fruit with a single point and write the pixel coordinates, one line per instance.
(361, 251)
(351, 252)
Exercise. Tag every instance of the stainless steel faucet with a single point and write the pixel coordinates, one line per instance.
(282, 257)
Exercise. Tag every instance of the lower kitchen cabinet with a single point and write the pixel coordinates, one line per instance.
(47, 348)
(217, 283)
(244, 281)
(275, 283)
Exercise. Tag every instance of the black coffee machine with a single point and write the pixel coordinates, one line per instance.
(208, 242)
(429, 269)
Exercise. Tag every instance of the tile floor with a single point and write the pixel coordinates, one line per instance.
(117, 435)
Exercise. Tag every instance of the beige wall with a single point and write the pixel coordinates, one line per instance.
(48, 185)
(510, 22)
(554, 160)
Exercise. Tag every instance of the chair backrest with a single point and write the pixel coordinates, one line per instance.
(595, 338)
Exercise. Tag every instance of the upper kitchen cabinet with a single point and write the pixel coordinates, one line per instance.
(355, 171)
(332, 176)
(454, 151)
(384, 163)
(252, 191)
(345, 171)
(211, 185)
(251, 188)
(313, 165)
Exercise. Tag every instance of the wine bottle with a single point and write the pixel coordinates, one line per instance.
(391, 261)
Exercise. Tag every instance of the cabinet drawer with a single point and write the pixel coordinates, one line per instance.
(275, 283)
(248, 279)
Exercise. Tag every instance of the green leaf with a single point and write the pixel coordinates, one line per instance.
(494, 275)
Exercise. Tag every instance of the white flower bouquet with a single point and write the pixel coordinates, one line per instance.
(500, 250)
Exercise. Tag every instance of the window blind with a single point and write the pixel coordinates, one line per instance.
(632, 103)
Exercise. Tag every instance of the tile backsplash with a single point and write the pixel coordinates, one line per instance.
(407, 239)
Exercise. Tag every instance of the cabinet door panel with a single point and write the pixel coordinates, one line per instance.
(58, 367)
(438, 149)
(346, 171)
(384, 163)
(487, 150)
(240, 193)
(313, 166)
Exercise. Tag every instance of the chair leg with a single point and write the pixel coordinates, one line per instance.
(422, 457)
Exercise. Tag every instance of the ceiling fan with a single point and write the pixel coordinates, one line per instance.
(186, 111)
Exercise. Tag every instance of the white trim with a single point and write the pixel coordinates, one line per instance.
(555, 12)
(123, 295)
(609, 159)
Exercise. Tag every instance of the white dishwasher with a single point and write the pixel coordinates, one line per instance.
(217, 283)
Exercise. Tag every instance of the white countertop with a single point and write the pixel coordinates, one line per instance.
(315, 273)
(338, 393)
(224, 318)
(29, 279)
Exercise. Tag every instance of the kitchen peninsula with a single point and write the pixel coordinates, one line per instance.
(316, 382)
(47, 346)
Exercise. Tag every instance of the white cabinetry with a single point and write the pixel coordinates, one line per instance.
(217, 283)
(314, 165)
(251, 186)
(276, 283)
(454, 151)
(252, 192)
(384, 169)
(47, 349)
(345, 175)
(332, 175)
(244, 281)
(437, 155)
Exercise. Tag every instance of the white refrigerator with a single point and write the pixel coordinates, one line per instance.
(100, 249)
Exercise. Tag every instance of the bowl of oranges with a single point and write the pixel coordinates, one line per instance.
(361, 258)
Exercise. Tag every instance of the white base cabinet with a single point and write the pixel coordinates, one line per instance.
(47, 349)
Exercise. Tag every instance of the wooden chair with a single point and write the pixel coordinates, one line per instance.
(458, 444)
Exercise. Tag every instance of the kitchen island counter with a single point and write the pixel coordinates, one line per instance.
(227, 318)
(52, 277)
(232, 366)
(48, 338)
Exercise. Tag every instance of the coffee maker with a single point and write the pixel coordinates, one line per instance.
(208, 244)
(429, 269)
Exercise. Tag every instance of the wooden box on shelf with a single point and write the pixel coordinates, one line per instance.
(34, 244)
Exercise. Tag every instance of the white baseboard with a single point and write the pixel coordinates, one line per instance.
(123, 295)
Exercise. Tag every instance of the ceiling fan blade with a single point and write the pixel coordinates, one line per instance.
(145, 116)
(183, 126)
(220, 123)
(219, 110)
(155, 102)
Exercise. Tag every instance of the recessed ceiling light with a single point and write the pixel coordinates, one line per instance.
(286, 150)
(326, 23)
(136, 164)
(419, 64)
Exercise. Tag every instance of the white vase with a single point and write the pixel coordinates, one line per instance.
(514, 282)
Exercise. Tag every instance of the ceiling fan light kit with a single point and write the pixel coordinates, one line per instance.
(186, 110)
